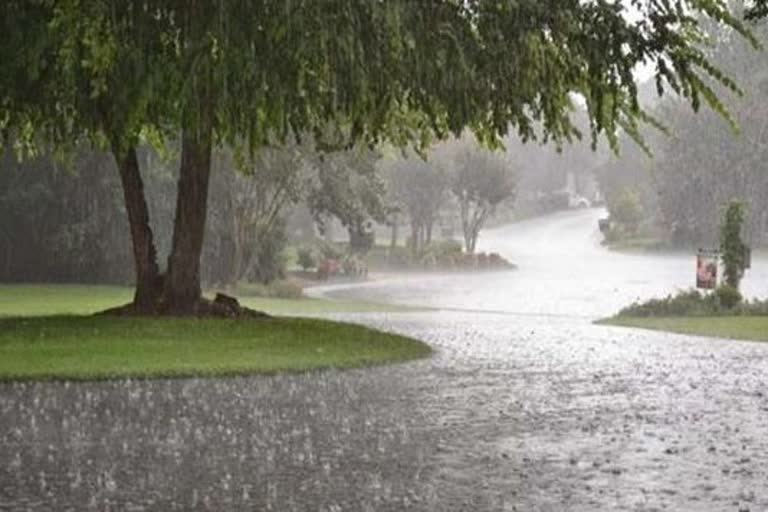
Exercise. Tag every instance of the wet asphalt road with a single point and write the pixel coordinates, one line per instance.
(528, 408)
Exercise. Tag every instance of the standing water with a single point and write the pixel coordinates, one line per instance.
(563, 270)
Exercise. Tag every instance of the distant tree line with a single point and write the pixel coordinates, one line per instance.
(67, 223)
(458, 182)
(705, 162)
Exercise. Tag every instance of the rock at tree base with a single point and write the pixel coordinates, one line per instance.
(222, 306)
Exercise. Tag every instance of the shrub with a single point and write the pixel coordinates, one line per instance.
(447, 247)
(725, 300)
(360, 242)
(727, 296)
(285, 289)
(328, 268)
(685, 303)
(442, 253)
(306, 258)
(627, 210)
(354, 267)
(329, 251)
(731, 245)
(613, 235)
(496, 260)
(754, 307)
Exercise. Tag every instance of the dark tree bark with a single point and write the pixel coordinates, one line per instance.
(148, 280)
(360, 241)
(415, 238)
(182, 294)
(393, 239)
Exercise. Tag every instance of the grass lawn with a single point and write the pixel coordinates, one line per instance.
(89, 347)
(753, 328)
(46, 332)
(50, 299)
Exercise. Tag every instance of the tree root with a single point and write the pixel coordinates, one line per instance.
(223, 306)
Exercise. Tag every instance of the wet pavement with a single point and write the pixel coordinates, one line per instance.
(528, 408)
(563, 271)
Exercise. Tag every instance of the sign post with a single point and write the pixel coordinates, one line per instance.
(706, 269)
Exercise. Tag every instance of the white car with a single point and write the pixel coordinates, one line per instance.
(575, 201)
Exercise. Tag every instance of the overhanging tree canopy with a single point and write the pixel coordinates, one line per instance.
(403, 71)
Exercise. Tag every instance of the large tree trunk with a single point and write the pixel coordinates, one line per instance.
(472, 242)
(393, 238)
(182, 294)
(415, 238)
(358, 239)
(240, 256)
(148, 280)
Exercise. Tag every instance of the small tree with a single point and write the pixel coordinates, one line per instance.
(732, 246)
(417, 187)
(306, 258)
(481, 181)
(627, 210)
(347, 186)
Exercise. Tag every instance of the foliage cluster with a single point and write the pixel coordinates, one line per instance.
(732, 247)
(627, 211)
(306, 258)
(67, 224)
(457, 176)
(441, 255)
(703, 162)
(725, 300)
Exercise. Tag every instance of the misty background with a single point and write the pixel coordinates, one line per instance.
(386, 208)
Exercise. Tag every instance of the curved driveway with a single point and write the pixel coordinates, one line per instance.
(529, 407)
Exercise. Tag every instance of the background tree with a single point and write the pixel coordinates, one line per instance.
(252, 195)
(480, 181)
(87, 70)
(550, 176)
(732, 247)
(348, 187)
(61, 225)
(627, 211)
(418, 188)
(704, 162)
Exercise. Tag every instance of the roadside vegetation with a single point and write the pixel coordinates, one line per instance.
(333, 260)
(671, 199)
(724, 301)
(628, 227)
(723, 312)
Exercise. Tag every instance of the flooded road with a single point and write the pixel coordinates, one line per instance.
(563, 270)
(525, 406)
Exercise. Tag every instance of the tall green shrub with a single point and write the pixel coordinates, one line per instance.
(627, 210)
(732, 247)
